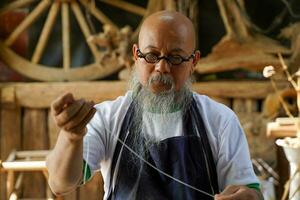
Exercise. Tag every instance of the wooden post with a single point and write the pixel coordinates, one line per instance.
(10, 136)
(34, 138)
(238, 105)
(10, 183)
(53, 130)
(298, 102)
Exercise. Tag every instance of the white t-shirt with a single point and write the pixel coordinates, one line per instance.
(226, 137)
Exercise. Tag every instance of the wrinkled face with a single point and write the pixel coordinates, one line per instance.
(165, 38)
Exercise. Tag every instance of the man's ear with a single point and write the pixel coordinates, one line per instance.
(134, 51)
(196, 57)
(195, 60)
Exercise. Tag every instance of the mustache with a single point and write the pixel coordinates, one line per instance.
(163, 78)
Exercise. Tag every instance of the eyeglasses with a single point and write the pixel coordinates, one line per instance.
(153, 58)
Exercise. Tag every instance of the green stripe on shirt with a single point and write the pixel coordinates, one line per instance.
(87, 174)
(255, 186)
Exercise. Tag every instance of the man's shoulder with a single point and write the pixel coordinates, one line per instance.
(213, 112)
(206, 103)
(121, 102)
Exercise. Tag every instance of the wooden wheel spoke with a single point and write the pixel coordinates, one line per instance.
(84, 27)
(16, 4)
(45, 33)
(126, 6)
(98, 14)
(66, 36)
(27, 21)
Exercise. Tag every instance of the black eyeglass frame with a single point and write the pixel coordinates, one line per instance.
(141, 55)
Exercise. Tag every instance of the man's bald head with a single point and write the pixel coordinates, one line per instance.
(171, 23)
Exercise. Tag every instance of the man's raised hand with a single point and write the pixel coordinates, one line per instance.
(72, 115)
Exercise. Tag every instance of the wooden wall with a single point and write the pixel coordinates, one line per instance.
(26, 124)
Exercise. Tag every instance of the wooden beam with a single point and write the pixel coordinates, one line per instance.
(42, 94)
(275, 130)
(24, 166)
(32, 154)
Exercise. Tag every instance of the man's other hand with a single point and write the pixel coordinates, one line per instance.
(238, 192)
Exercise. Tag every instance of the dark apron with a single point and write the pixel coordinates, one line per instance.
(187, 158)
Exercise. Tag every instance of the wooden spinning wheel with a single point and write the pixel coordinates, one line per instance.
(32, 66)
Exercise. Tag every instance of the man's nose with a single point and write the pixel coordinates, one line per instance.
(163, 66)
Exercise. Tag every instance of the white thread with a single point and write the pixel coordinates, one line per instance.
(86, 163)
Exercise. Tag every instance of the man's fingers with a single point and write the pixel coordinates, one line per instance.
(69, 112)
(227, 193)
(80, 127)
(80, 115)
(59, 103)
(237, 193)
(230, 189)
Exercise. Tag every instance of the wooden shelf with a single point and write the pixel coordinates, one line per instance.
(278, 130)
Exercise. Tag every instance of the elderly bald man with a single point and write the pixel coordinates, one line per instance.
(160, 126)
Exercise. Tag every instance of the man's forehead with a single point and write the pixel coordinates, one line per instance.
(164, 41)
(174, 48)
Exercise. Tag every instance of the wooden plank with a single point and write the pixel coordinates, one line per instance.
(41, 94)
(275, 130)
(238, 105)
(8, 95)
(251, 105)
(93, 190)
(10, 137)
(52, 130)
(34, 138)
(24, 165)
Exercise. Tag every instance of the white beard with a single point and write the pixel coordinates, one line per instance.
(162, 103)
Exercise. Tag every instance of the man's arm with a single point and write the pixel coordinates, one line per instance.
(64, 163)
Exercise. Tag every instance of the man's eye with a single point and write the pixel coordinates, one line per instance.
(175, 59)
(151, 57)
